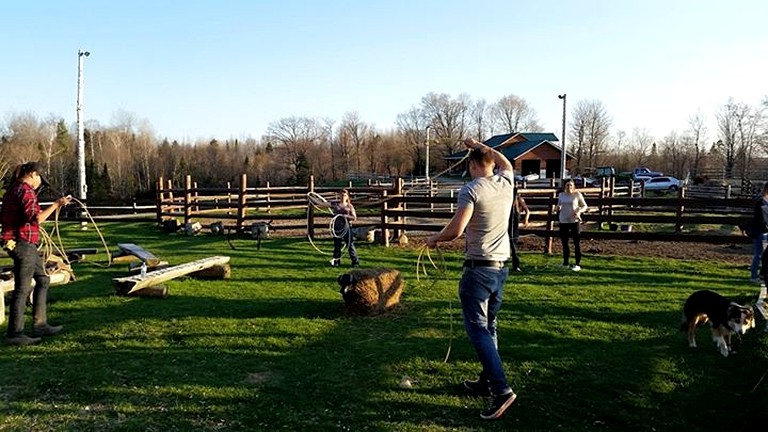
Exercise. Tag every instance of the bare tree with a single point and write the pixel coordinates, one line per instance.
(512, 113)
(590, 130)
(412, 126)
(293, 137)
(448, 118)
(480, 122)
(697, 132)
(356, 132)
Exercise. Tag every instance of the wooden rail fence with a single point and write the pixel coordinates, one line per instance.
(393, 209)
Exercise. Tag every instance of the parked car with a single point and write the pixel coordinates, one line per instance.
(663, 184)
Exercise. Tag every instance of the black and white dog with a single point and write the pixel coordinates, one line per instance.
(725, 317)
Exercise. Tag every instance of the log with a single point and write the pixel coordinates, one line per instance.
(6, 286)
(129, 284)
(157, 291)
(222, 271)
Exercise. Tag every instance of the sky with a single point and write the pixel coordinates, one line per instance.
(228, 68)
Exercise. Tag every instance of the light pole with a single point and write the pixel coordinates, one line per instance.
(562, 148)
(81, 184)
(426, 169)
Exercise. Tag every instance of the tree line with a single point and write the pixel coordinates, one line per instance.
(124, 159)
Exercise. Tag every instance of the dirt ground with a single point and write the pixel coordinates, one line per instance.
(728, 253)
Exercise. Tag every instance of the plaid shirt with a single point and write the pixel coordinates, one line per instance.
(19, 214)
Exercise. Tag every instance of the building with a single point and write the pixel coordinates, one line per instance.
(529, 152)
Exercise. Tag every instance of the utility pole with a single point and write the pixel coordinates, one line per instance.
(426, 169)
(82, 187)
(562, 147)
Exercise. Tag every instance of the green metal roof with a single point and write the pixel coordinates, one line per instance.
(514, 151)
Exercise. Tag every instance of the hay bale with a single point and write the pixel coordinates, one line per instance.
(371, 291)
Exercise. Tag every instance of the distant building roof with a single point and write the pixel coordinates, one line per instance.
(514, 145)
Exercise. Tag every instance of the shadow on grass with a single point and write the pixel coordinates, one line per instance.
(263, 352)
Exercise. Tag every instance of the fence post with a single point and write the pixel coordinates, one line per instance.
(398, 192)
(550, 224)
(311, 210)
(241, 203)
(384, 219)
(187, 199)
(159, 199)
(269, 200)
(229, 198)
(196, 197)
(680, 210)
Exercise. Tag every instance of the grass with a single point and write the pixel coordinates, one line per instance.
(271, 349)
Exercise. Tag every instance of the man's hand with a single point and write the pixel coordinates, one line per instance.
(63, 201)
(472, 143)
(432, 241)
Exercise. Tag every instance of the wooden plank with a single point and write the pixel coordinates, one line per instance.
(139, 252)
(129, 284)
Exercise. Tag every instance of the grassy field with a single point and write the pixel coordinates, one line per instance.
(271, 349)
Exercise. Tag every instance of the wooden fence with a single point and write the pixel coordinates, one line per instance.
(395, 209)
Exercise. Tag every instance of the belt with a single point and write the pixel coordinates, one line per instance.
(471, 263)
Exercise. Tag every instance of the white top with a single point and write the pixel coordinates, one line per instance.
(571, 206)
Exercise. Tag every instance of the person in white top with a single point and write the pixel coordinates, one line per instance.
(571, 205)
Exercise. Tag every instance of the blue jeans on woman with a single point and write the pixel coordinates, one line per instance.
(757, 252)
(481, 290)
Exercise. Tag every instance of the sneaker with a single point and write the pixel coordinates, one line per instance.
(755, 280)
(21, 339)
(477, 388)
(335, 262)
(499, 405)
(46, 330)
(517, 270)
(576, 267)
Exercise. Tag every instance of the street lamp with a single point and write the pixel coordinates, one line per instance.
(562, 148)
(426, 169)
(82, 187)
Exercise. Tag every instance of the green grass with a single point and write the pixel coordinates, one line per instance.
(271, 349)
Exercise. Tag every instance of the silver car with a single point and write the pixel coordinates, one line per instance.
(663, 184)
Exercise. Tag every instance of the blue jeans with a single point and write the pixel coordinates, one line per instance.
(27, 265)
(481, 290)
(338, 242)
(757, 252)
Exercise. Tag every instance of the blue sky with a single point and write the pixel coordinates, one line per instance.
(202, 69)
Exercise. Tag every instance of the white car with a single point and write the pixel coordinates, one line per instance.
(662, 184)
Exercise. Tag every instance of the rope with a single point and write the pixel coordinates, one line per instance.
(319, 202)
(440, 275)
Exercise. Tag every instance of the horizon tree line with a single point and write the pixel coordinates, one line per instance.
(125, 159)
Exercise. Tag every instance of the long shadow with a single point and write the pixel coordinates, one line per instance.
(130, 363)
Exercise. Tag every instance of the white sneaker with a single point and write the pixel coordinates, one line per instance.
(335, 262)
(576, 267)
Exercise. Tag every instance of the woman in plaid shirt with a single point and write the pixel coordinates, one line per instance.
(21, 217)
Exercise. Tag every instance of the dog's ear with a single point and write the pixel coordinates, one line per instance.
(345, 280)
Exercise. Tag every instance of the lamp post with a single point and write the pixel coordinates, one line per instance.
(562, 148)
(426, 169)
(82, 187)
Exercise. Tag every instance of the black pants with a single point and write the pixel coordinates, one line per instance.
(27, 265)
(338, 242)
(571, 230)
(514, 237)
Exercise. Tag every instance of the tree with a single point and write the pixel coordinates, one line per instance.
(355, 132)
(589, 133)
(512, 114)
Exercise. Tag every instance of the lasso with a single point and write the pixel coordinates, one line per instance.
(421, 267)
(50, 248)
(321, 204)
